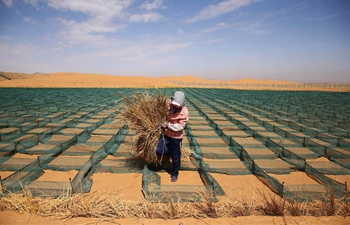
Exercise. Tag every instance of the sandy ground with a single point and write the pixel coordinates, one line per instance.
(17, 218)
(243, 188)
(72, 80)
(240, 187)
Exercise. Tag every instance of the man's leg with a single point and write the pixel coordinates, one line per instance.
(175, 151)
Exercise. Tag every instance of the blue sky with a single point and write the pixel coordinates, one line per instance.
(294, 40)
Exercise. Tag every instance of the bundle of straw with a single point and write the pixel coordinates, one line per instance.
(144, 113)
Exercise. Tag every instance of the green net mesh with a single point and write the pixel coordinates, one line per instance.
(265, 133)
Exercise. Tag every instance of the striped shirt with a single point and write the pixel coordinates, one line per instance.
(177, 122)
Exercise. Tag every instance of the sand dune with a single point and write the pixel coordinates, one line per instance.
(80, 80)
(77, 80)
(256, 81)
(67, 79)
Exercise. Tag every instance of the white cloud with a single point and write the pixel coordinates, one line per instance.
(8, 3)
(223, 7)
(152, 5)
(8, 50)
(143, 50)
(5, 38)
(147, 17)
(91, 26)
(88, 32)
(104, 9)
(324, 18)
(34, 3)
(219, 26)
(255, 27)
(216, 40)
(242, 14)
(101, 15)
(28, 20)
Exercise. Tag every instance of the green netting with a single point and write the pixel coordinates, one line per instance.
(230, 131)
(336, 153)
(276, 166)
(28, 175)
(64, 163)
(340, 156)
(269, 181)
(79, 149)
(82, 182)
(225, 152)
(15, 162)
(120, 165)
(260, 152)
(123, 149)
(50, 188)
(305, 192)
(156, 192)
(344, 143)
(328, 167)
(298, 137)
(22, 178)
(291, 151)
(235, 167)
(6, 149)
(340, 190)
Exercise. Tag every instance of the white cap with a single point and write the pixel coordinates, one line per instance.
(175, 103)
(179, 98)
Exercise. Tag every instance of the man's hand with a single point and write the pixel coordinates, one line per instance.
(165, 124)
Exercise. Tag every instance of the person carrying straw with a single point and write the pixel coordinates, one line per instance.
(171, 139)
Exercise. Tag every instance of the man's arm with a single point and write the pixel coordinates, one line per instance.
(181, 124)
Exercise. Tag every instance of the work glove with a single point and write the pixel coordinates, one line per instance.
(165, 124)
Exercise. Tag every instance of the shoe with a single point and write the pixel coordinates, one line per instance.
(173, 179)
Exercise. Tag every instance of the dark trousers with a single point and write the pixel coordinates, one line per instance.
(172, 146)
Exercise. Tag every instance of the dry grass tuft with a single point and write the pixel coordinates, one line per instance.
(112, 206)
(185, 154)
(296, 208)
(210, 208)
(144, 113)
(273, 205)
(328, 205)
(345, 207)
(242, 207)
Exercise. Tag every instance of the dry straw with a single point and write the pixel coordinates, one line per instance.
(113, 206)
(144, 114)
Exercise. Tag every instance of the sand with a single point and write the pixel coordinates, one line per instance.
(129, 186)
(72, 80)
(243, 188)
(58, 176)
(17, 218)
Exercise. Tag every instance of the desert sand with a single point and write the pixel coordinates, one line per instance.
(242, 188)
(76, 80)
(17, 218)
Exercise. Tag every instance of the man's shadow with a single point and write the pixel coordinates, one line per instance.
(163, 164)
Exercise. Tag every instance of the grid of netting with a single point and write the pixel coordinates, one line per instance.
(46, 132)
(279, 133)
(270, 135)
